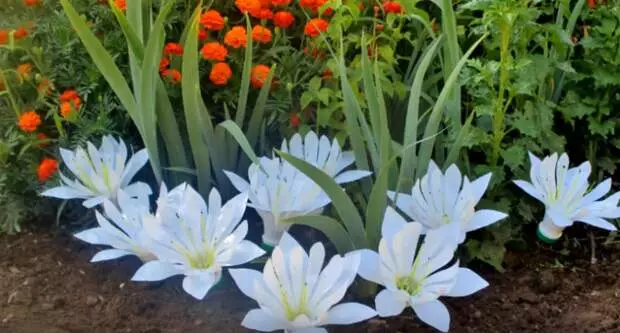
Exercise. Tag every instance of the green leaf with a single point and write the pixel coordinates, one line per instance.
(330, 227)
(342, 203)
(241, 139)
(197, 128)
(433, 122)
(245, 76)
(149, 75)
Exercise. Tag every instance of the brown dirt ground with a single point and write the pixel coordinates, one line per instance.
(47, 285)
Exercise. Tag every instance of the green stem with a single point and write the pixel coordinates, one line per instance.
(10, 94)
(500, 107)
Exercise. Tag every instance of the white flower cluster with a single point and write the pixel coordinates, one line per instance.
(414, 263)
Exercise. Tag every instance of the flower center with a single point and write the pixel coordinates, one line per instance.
(292, 311)
(408, 284)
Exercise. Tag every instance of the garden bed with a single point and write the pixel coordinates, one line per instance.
(48, 285)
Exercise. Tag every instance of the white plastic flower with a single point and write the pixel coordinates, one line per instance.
(438, 199)
(563, 192)
(198, 241)
(122, 229)
(100, 173)
(417, 277)
(296, 295)
(280, 191)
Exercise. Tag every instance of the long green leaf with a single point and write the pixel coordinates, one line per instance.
(257, 118)
(377, 202)
(103, 61)
(432, 126)
(241, 139)
(132, 27)
(330, 227)
(148, 79)
(245, 77)
(454, 151)
(407, 168)
(192, 100)
(344, 206)
(451, 53)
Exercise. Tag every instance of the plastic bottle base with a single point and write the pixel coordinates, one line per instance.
(268, 248)
(544, 238)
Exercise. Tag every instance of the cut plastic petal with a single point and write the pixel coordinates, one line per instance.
(155, 270)
(198, 285)
(351, 176)
(349, 313)
(245, 280)
(245, 251)
(434, 313)
(110, 254)
(369, 266)
(484, 218)
(261, 320)
(467, 283)
(389, 303)
(65, 192)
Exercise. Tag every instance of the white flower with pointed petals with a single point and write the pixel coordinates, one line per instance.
(563, 192)
(413, 277)
(198, 241)
(122, 229)
(100, 173)
(280, 191)
(438, 199)
(295, 295)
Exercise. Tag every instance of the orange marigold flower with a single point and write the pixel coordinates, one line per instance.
(392, 7)
(172, 75)
(45, 86)
(4, 37)
(261, 34)
(259, 75)
(328, 11)
(263, 14)
(265, 3)
(20, 33)
(24, 70)
(236, 37)
(294, 119)
(47, 169)
(592, 4)
(248, 5)
(214, 51)
(29, 121)
(212, 20)
(283, 19)
(313, 5)
(220, 74)
(163, 64)
(120, 4)
(202, 34)
(173, 49)
(43, 140)
(31, 3)
(69, 95)
(280, 2)
(327, 74)
(314, 27)
(66, 108)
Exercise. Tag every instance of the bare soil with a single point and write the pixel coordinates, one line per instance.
(47, 285)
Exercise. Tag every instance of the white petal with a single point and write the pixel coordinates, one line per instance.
(390, 303)
(199, 285)
(349, 313)
(245, 251)
(138, 190)
(136, 162)
(261, 320)
(239, 183)
(599, 223)
(479, 186)
(467, 283)
(155, 270)
(110, 254)
(530, 189)
(369, 266)
(392, 223)
(434, 313)
(351, 176)
(245, 280)
(484, 218)
(309, 330)
(65, 192)
(92, 202)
